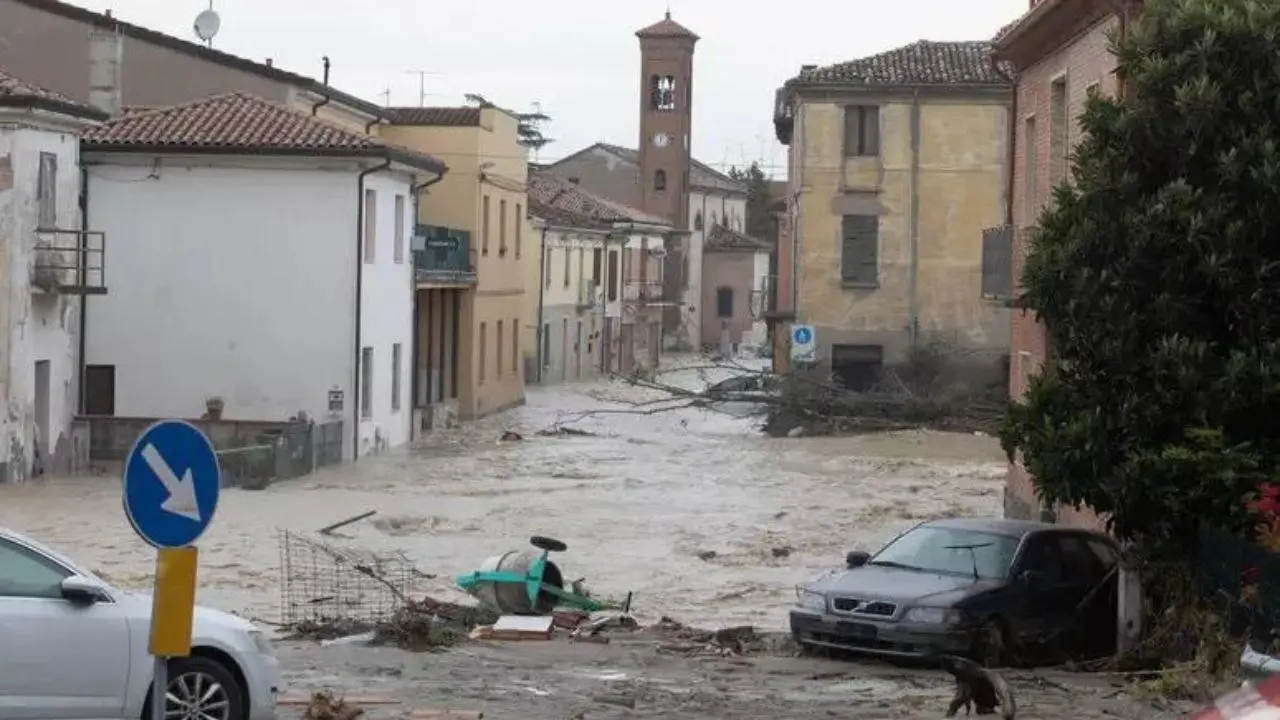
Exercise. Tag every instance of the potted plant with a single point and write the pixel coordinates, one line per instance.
(213, 408)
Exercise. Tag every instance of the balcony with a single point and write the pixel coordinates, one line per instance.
(69, 262)
(443, 257)
(997, 263)
(643, 292)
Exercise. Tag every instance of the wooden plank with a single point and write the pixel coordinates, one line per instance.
(295, 699)
(445, 714)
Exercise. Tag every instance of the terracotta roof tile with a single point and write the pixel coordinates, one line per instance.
(443, 116)
(701, 175)
(564, 197)
(238, 121)
(666, 27)
(920, 63)
(15, 92)
(723, 239)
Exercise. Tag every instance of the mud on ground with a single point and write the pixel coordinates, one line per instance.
(639, 676)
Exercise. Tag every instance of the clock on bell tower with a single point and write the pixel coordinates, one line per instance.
(666, 119)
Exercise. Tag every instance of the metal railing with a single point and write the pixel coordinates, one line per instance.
(71, 262)
(643, 291)
(443, 255)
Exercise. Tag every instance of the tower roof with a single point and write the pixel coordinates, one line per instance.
(667, 28)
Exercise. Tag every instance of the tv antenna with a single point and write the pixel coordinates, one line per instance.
(422, 84)
(207, 25)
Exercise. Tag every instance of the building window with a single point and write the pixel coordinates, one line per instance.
(99, 389)
(366, 383)
(497, 344)
(662, 92)
(399, 251)
(47, 190)
(395, 377)
(370, 225)
(515, 346)
(1029, 171)
(546, 345)
(519, 228)
(861, 130)
(660, 180)
(597, 259)
(613, 276)
(857, 367)
(697, 220)
(484, 226)
(502, 228)
(483, 357)
(1058, 136)
(860, 250)
(568, 265)
(724, 302)
(546, 270)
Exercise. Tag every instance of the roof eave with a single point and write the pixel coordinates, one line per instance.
(798, 87)
(53, 105)
(405, 157)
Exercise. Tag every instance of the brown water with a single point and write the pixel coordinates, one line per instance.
(636, 505)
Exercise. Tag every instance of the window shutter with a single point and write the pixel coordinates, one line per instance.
(860, 250)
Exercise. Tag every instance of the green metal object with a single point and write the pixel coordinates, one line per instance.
(492, 585)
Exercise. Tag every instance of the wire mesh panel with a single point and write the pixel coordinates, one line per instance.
(327, 584)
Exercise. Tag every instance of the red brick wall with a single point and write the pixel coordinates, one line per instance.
(1083, 62)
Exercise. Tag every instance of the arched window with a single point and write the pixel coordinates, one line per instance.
(697, 220)
(660, 180)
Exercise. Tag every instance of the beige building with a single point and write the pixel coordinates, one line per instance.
(468, 253)
(90, 56)
(898, 161)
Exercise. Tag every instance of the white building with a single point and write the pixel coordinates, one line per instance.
(42, 249)
(260, 256)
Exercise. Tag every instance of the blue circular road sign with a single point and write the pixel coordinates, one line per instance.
(171, 484)
(802, 335)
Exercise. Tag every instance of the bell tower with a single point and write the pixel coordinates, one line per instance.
(666, 119)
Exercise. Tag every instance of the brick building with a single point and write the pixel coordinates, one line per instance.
(1059, 50)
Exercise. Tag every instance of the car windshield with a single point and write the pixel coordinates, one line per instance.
(952, 551)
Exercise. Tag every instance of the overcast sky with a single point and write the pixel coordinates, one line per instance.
(578, 58)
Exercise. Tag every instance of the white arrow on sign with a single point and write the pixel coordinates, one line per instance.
(182, 492)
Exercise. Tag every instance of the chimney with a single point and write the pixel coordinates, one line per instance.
(105, 55)
(269, 62)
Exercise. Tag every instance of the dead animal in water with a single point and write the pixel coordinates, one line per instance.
(511, 436)
(978, 689)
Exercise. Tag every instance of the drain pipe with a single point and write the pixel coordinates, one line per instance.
(355, 390)
(326, 99)
(542, 291)
(83, 340)
(913, 299)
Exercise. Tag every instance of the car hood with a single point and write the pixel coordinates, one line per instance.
(871, 582)
(206, 621)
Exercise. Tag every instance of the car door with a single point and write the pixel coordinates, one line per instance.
(58, 660)
(1040, 576)
(1094, 616)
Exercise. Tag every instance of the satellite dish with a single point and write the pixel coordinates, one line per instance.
(207, 24)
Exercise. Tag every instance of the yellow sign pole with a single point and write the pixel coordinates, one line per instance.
(173, 608)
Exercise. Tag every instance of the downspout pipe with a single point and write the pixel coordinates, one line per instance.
(83, 341)
(913, 299)
(542, 291)
(355, 388)
(416, 193)
(326, 99)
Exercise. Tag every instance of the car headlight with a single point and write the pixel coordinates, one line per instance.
(262, 642)
(810, 599)
(933, 616)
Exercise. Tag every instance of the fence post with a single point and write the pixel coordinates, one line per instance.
(1128, 602)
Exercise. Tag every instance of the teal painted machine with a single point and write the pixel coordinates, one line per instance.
(522, 582)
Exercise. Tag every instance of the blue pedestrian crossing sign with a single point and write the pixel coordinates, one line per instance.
(803, 343)
(171, 484)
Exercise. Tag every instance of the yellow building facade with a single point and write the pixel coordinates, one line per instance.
(897, 163)
(470, 257)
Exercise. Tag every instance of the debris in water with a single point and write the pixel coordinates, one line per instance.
(343, 523)
(707, 555)
(559, 431)
(325, 705)
(782, 552)
(511, 436)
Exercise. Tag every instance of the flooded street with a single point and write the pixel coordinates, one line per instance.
(636, 505)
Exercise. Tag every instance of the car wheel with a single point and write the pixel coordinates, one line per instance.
(991, 645)
(201, 688)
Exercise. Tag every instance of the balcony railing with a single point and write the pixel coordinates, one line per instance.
(643, 292)
(997, 262)
(443, 256)
(69, 262)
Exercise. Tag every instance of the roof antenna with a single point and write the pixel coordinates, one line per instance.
(668, 9)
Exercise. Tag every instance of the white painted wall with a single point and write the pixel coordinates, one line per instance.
(760, 280)
(387, 314)
(35, 326)
(236, 278)
(729, 210)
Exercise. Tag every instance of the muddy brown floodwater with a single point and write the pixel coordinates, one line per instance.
(636, 505)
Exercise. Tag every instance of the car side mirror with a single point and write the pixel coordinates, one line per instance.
(80, 590)
(856, 559)
(1033, 578)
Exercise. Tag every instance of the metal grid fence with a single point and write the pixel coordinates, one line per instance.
(324, 583)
